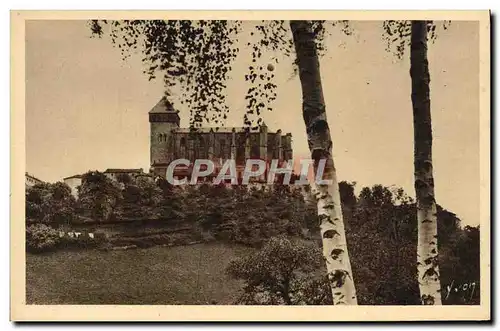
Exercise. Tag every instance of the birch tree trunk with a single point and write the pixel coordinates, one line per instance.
(320, 144)
(427, 250)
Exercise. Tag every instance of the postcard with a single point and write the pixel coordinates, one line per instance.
(250, 166)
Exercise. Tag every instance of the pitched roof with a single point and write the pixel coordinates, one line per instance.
(123, 170)
(145, 175)
(33, 177)
(74, 176)
(163, 106)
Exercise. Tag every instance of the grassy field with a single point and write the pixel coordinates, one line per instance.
(159, 275)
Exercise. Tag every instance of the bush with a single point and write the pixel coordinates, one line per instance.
(147, 241)
(41, 238)
(139, 242)
(179, 239)
(207, 236)
(82, 242)
(283, 271)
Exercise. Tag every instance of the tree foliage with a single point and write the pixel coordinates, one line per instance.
(282, 272)
(41, 237)
(382, 236)
(194, 58)
(381, 227)
(98, 195)
(397, 34)
(247, 216)
(50, 204)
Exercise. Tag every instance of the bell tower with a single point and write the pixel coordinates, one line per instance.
(163, 119)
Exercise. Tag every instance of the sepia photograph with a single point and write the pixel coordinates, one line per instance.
(250, 165)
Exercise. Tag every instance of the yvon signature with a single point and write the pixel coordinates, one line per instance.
(457, 288)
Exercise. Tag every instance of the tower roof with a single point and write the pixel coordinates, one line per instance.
(163, 106)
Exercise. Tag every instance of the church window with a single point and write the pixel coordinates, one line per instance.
(190, 149)
(254, 151)
(240, 149)
(182, 150)
(201, 148)
(162, 137)
(222, 150)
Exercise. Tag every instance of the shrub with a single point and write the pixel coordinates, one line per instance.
(82, 242)
(207, 236)
(139, 242)
(293, 229)
(180, 238)
(223, 235)
(281, 272)
(41, 237)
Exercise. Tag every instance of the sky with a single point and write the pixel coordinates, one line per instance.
(86, 108)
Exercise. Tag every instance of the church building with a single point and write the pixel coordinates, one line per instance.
(169, 142)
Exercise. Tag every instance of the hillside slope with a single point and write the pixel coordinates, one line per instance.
(157, 275)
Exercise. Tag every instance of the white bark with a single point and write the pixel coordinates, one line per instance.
(320, 144)
(334, 240)
(427, 249)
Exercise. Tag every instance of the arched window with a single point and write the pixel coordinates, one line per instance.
(190, 148)
(254, 151)
(182, 149)
(240, 149)
(201, 148)
(162, 137)
(222, 148)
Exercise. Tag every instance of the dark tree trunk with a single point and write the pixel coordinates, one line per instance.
(286, 292)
